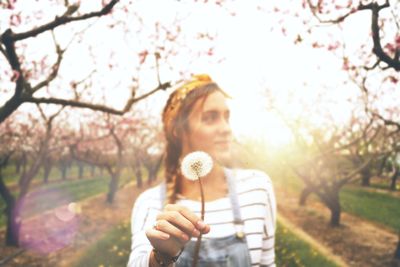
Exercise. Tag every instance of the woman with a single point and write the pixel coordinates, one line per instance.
(240, 210)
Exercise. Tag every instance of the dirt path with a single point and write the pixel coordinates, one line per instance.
(62, 238)
(356, 241)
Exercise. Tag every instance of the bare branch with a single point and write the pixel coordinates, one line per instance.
(87, 160)
(386, 121)
(395, 19)
(41, 112)
(75, 85)
(55, 68)
(351, 175)
(63, 20)
(314, 11)
(11, 55)
(373, 66)
(377, 49)
(368, 110)
(72, 103)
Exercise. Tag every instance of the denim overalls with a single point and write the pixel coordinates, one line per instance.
(226, 251)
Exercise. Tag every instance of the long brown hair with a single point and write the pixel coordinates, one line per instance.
(173, 133)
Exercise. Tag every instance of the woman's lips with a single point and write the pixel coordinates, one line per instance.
(224, 143)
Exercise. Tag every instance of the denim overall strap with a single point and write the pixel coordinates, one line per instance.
(237, 218)
(228, 251)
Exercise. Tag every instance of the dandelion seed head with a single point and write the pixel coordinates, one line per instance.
(196, 164)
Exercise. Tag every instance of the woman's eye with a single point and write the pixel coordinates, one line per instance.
(210, 117)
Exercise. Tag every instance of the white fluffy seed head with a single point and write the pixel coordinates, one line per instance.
(196, 164)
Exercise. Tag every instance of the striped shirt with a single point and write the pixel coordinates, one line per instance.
(258, 211)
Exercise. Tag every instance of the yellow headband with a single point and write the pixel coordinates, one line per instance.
(181, 92)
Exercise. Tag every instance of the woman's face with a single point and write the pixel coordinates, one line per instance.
(209, 128)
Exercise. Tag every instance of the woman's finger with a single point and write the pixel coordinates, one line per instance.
(188, 214)
(157, 234)
(180, 221)
(168, 228)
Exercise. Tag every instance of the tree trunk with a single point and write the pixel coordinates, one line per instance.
(63, 169)
(17, 166)
(139, 177)
(47, 168)
(24, 163)
(80, 172)
(365, 177)
(113, 187)
(304, 195)
(382, 166)
(12, 225)
(20, 163)
(330, 197)
(335, 215)
(394, 179)
(396, 257)
(136, 167)
(26, 177)
(92, 169)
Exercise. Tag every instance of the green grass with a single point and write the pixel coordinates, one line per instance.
(384, 185)
(291, 251)
(378, 207)
(11, 177)
(111, 250)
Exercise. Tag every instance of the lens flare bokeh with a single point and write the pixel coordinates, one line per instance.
(52, 230)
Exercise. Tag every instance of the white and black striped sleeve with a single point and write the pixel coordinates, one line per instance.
(268, 244)
(142, 214)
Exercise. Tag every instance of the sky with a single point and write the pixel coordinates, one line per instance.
(258, 60)
(251, 60)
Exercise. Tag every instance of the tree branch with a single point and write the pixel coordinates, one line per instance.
(377, 49)
(87, 160)
(63, 20)
(73, 103)
(11, 55)
(351, 175)
(339, 19)
(54, 72)
(3, 51)
(375, 9)
(386, 121)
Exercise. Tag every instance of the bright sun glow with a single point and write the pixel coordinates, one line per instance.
(250, 119)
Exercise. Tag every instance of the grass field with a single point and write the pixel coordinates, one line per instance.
(114, 247)
(378, 207)
(11, 177)
(112, 250)
(292, 251)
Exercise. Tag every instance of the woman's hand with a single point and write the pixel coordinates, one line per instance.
(174, 227)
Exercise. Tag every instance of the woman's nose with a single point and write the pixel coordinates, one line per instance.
(224, 126)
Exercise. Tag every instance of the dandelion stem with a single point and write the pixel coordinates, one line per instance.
(198, 242)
